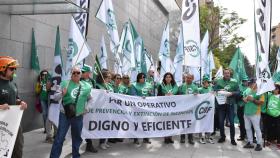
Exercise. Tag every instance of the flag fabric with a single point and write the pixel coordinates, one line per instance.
(191, 32)
(57, 74)
(103, 54)
(78, 48)
(118, 64)
(262, 21)
(278, 60)
(149, 61)
(179, 59)
(237, 65)
(164, 52)
(210, 64)
(82, 18)
(196, 74)
(106, 14)
(219, 73)
(34, 56)
(96, 68)
(204, 53)
(126, 49)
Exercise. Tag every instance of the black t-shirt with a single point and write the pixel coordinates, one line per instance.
(8, 92)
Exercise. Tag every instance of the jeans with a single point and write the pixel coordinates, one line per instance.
(240, 115)
(45, 111)
(255, 121)
(226, 109)
(76, 130)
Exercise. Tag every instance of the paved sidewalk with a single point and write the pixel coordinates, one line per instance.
(35, 147)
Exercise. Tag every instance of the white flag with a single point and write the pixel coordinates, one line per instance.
(204, 53)
(82, 18)
(78, 48)
(164, 52)
(210, 64)
(179, 59)
(149, 61)
(195, 72)
(126, 48)
(106, 14)
(103, 54)
(262, 21)
(219, 73)
(191, 32)
(278, 60)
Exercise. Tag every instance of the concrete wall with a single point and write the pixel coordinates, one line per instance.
(15, 41)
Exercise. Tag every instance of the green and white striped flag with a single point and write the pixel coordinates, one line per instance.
(103, 54)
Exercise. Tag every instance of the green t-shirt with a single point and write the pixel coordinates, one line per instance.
(251, 108)
(203, 90)
(89, 81)
(230, 85)
(44, 92)
(273, 106)
(71, 94)
(123, 89)
(168, 88)
(142, 89)
(188, 88)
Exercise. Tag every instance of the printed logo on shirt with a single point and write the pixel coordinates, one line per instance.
(74, 92)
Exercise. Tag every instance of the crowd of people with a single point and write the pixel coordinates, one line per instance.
(258, 115)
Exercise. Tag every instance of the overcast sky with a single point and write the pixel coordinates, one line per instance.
(245, 9)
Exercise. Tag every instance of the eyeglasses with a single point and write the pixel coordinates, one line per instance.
(12, 69)
(76, 72)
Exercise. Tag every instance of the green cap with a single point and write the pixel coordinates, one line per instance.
(206, 78)
(86, 68)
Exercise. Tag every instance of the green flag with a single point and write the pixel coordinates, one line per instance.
(34, 56)
(237, 65)
(96, 68)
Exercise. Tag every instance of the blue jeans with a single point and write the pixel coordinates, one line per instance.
(45, 111)
(76, 131)
(226, 110)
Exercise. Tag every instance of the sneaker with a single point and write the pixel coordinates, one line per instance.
(107, 145)
(221, 140)
(233, 142)
(258, 147)
(248, 146)
(202, 141)
(210, 140)
(90, 148)
(103, 146)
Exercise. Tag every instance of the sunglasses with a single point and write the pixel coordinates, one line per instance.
(76, 73)
(125, 78)
(12, 69)
(143, 77)
(118, 78)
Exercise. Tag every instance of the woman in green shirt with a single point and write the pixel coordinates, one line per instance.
(144, 89)
(168, 87)
(272, 118)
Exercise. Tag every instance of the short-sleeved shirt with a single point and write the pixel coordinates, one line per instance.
(188, 88)
(72, 91)
(163, 89)
(203, 90)
(250, 108)
(142, 89)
